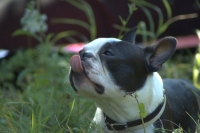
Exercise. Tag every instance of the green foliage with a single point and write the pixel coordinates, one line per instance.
(156, 31)
(47, 103)
(179, 130)
(132, 8)
(33, 23)
(35, 93)
(198, 127)
(142, 110)
(178, 67)
(90, 26)
(155, 28)
(196, 66)
(143, 113)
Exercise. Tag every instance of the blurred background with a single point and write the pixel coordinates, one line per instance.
(106, 16)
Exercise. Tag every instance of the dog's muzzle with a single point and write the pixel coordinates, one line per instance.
(78, 65)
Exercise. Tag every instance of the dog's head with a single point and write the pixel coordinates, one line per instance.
(108, 67)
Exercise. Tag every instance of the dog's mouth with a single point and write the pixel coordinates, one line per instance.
(78, 69)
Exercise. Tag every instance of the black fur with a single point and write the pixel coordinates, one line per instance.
(181, 99)
(130, 36)
(126, 66)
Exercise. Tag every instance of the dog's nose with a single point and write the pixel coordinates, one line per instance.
(84, 55)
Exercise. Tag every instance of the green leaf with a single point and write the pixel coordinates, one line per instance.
(142, 113)
(197, 59)
(162, 29)
(198, 33)
(72, 21)
(168, 8)
(132, 8)
(49, 37)
(63, 35)
(179, 130)
(120, 37)
(22, 75)
(22, 32)
(150, 19)
(122, 20)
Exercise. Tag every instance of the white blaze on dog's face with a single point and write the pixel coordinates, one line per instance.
(96, 78)
(95, 68)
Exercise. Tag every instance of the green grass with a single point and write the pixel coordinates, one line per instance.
(46, 102)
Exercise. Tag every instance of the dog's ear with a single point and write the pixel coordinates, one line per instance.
(157, 54)
(130, 35)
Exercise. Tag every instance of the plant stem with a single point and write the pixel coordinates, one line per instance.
(132, 8)
(135, 96)
(124, 25)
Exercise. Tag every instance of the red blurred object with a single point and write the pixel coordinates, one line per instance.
(73, 48)
(190, 41)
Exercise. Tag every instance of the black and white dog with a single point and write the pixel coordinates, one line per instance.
(111, 72)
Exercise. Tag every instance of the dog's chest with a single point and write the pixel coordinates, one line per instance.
(100, 119)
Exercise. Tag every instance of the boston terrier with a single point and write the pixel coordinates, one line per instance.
(119, 76)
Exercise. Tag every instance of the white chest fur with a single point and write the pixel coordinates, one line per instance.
(99, 118)
(124, 110)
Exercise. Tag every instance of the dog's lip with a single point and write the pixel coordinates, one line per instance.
(71, 80)
(71, 73)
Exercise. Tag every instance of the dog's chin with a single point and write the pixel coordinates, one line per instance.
(81, 82)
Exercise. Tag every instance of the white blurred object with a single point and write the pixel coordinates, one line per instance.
(3, 53)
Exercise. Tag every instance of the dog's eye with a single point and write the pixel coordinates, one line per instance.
(108, 53)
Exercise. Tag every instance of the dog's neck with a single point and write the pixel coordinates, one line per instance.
(125, 108)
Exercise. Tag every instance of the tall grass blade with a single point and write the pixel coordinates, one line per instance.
(72, 107)
(72, 21)
(168, 8)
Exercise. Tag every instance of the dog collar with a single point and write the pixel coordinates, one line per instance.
(136, 124)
